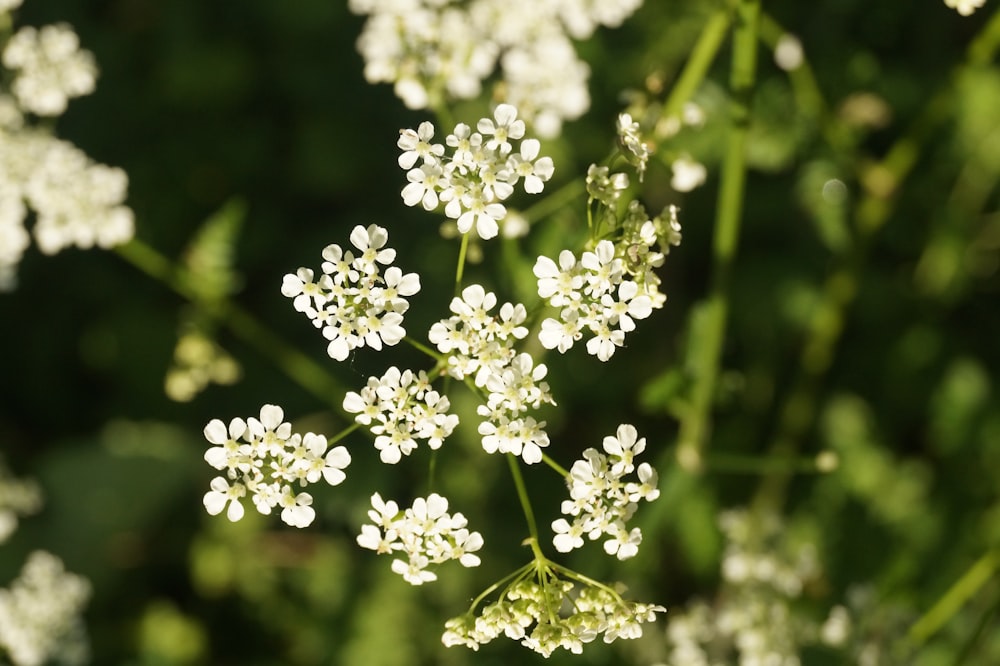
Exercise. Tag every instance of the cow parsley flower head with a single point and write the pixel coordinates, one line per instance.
(49, 68)
(75, 201)
(475, 173)
(353, 302)
(444, 50)
(547, 608)
(40, 614)
(263, 458)
(602, 499)
(425, 533)
(400, 408)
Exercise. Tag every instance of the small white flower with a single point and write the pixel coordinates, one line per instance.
(222, 494)
(687, 174)
(965, 7)
(296, 509)
(506, 127)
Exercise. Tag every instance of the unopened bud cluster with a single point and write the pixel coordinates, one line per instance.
(546, 612)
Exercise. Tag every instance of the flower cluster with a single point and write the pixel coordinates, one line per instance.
(40, 619)
(479, 172)
(425, 532)
(545, 612)
(264, 458)
(592, 294)
(49, 68)
(763, 572)
(76, 201)
(636, 151)
(602, 501)
(353, 302)
(433, 51)
(399, 409)
(198, 361)
(481, 345)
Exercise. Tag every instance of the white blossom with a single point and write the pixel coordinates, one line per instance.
(425, 533)
(263, 458)
(353, 302)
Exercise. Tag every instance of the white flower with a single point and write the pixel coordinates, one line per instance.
(49, 68)
(296, 509)
(506, 127)
(222, 494)
(417, 145)
(965, 7)
(568, 536)
(40, 614)
(264, 458)
(425, 182)
(353, 303)
(426, 533)
(624, 544)
(524, 165)
(687, 174)
(623, 448)
(601, 500)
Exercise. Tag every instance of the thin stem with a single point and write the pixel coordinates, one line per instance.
(555, 201)
(554, 465)
(522, 495)
(505, 581)
(695, 423)
(702, 55)
(423, 348)
(460, 269)
(297, 366)
(343, 433)
(952, 601)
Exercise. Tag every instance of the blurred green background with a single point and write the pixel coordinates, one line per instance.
(263, 103)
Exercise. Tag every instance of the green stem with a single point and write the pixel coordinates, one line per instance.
(424, 349)
(297, 366)
(695, 423)
(522, 495)
(952, 601)
(460, 269)
(555, 201)
(343, 433)
(702, 56)
(563, 472)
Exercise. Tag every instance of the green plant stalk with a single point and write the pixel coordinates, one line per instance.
(562, 471)
(522, 495)
(299, 367)
(695, 423)
(555, 201)
(696, 67)
(460, 269)
(971, 582)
